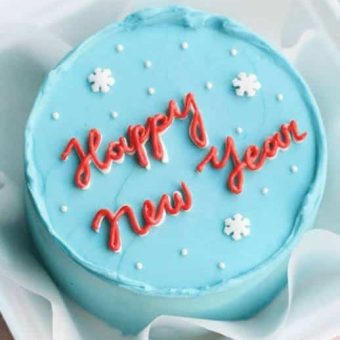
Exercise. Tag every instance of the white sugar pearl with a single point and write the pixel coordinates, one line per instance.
(119, 48)
(233, 52)
(147, 63)
(264, 191)
(221, 265)
(239, 130)
(184, 45)
(114, 114)
(294, 169)
(151, 91)
(184, 252)
(64, 208)
(209, 85)
(279, 97)
(139, 265)
(55, 115)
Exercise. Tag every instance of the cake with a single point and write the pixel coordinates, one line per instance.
(173, 161)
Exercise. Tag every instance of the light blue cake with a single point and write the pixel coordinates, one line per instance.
(141, 151)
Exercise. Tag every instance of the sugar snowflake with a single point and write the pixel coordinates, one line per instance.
(237, 226)
(101, 80)
(246, 84)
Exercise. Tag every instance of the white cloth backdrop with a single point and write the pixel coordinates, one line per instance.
(34, 35)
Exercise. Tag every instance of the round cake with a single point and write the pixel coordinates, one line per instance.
(173, 161)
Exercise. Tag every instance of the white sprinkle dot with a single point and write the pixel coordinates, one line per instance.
(114, 114)
(184, 45)
(184, 252)
(147, 63)
(119, 48)
(209, 85)
(64, 208)
(294, 169)
(233, 52)
(279, 97)
(139, 265)
(264, 191)
(221, 265)
(239, 130)
(55, 115)
(151, 91)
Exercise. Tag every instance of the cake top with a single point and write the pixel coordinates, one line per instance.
(142, 147)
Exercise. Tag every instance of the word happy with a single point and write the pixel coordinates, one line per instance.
(138, 135)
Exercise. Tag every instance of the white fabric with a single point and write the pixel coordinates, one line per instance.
(34, 308)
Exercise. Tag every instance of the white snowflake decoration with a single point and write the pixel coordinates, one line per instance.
(246, 84)
(101, 80)
(237, 226)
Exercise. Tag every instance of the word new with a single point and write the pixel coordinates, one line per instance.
(138, 135)
(152, 215)
(254, 157)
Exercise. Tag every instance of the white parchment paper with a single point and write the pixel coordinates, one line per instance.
(32, 39)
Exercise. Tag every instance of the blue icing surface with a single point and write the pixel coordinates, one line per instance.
(275, 218)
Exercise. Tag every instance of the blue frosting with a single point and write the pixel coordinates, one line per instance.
(156, 35)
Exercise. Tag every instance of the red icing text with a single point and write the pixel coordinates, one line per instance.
(254, 157)
(152, 215)
(137, 136)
